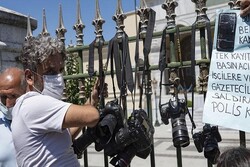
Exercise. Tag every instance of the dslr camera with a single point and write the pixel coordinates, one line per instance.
(111, 120)
(135, 139)
(208, 139)
(176, 110)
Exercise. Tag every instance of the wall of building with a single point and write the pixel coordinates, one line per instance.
(13, 29)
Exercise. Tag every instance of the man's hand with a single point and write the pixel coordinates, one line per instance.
(244, 7)
(94, 100)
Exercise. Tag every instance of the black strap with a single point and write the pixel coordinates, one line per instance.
(146, 50)
(182, 78)
(162, 61)
(91, 71)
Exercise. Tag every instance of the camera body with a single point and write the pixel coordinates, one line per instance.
(135, 139)
(176, 110)
(122, 140)
(138, 131)
(208, 140)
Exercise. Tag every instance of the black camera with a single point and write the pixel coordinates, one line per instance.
(119, 139)
(111, 120)
(208, 139)
(176, 110)
(135, 139)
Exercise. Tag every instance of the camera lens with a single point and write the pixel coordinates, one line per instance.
(211, 149)
(123, 159)
(198, 141)
(179, 131)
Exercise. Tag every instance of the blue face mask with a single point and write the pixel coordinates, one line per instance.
(7, 112)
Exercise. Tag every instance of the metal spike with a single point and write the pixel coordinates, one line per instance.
(61, 30)
(98, 22)
(143, 4)
(119, 18)
(79, 26)
(29, 32)
(119, 8)
(170, 6)
(44, 30)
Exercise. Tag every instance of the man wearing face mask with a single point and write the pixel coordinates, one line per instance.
(41, 123)
(11, 87)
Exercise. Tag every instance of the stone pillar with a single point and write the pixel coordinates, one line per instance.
(13, 29)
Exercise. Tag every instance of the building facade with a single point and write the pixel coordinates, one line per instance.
(12, 34)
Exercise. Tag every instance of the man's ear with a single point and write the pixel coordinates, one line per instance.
(29, 77)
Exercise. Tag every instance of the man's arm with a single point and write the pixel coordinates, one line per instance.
(79, 116)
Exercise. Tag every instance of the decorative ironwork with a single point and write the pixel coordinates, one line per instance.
(200, 9)
(61, 30)
(98, 22)
(29, 32)
(174, 80)
(44, 30)
(143, 13)
(234, 4)
(119, 18)
(203, 78)
(79, 26)
(170, 6)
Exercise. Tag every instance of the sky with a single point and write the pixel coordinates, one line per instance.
(34, 8)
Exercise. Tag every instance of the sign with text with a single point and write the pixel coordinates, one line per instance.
(228, 96)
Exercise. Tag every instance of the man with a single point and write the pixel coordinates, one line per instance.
(40, 124)
(11, 87)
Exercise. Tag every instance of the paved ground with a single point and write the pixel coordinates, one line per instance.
(165, 152)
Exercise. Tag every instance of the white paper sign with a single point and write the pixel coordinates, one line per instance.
(228, 96)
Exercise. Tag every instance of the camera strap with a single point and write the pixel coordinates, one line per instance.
(119, 53)
(146, 50)
(182, 78)
(199, 19)
(162, 61)
(91, 71)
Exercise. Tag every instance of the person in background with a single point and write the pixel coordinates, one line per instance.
(11, 87)
(234, 157)
(41, 123)
(244, 7)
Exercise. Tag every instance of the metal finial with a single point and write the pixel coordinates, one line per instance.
(98, 22)
(200, 9)
(61, 30)
(119, 18)
(79, 26)
(143, 4)
(143, 13)
(234, 4)
(29, 32)
(44, 30)
(170, 6)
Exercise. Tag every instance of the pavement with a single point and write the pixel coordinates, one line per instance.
(164, 151)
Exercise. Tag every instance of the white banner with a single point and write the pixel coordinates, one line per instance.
(228, 96)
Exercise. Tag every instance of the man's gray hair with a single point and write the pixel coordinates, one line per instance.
(37, 49)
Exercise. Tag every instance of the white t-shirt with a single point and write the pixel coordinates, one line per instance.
(37, 132)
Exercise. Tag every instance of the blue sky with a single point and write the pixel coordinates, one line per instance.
(34, 9)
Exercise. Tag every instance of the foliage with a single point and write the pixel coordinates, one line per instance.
(75, 87)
